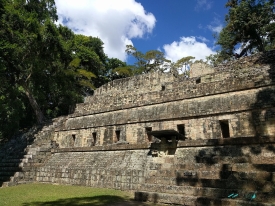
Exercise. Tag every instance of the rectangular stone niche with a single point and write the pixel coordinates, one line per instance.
(198, 80)
(225, 128)
(117, 137)
(94, 139)
(73, 140)
(181, 130)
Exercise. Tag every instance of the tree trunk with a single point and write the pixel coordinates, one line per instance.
(38, 113)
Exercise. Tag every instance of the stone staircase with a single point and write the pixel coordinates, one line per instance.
(198, 184)
(20, 157)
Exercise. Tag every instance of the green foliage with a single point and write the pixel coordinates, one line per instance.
(45, 69)
(181, 65)
(249, 23)
(87, 63)
(216, 59)
(115, 69)
(125, 71)
(153, 61)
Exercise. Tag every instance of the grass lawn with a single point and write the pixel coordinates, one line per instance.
(56, 195)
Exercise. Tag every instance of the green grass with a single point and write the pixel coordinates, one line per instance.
(50, 195)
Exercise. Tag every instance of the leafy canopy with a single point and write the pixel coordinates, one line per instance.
(45, 68)
(249, 24)
(152, 61)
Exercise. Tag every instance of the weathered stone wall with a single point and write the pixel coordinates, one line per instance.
(227, 119)
(240, 125)
(111, 169)
(137, 84)
(254, 61)
(176, 89)
(244, 110)
(192, 171)
(122, 110)
(200, 68)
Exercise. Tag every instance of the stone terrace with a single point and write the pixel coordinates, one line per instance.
(169, 139)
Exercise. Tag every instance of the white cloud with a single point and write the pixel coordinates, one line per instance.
(215, 26)
(216, 29)
(187, 46)
(203, 39)
(203, 4)
(115, 22)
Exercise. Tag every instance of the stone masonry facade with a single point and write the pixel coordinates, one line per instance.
(170, 139)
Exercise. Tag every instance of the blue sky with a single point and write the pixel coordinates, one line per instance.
(177, 27)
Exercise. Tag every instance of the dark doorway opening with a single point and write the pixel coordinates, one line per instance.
(94, 138)
(198, 80)
(73, 140)
(225, 128)
(181, 130)
(117, 135)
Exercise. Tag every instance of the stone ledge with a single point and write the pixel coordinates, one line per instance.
(157, 197)
(113, 147)
(180, 144)
(227, 141)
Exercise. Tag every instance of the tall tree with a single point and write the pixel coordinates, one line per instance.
(116, 69)
(45, 64)
(25, 26)
(249, 24)
(86, 63)
(153, 60)
(181, 65)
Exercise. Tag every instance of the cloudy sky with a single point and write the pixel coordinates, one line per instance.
(179, 28)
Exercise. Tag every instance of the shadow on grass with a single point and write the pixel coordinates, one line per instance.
(102, 200)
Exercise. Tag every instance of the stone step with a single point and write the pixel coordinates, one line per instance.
(228, 159)
(230, 183)
(180, 199)
(24, 182)
(22, 165)
(205, 191)
(9, 184)
(218, 166)
(212, 174)
(31, 151)
(28, 156)
(17, 177)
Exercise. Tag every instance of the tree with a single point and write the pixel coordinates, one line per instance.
(249, 24)
(44, 68)
(24, 44)
(152, 61)
(181, 65)
(116, 69)
(86, 63)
